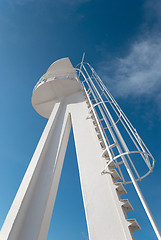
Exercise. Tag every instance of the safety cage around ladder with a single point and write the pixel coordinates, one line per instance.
(121, 144)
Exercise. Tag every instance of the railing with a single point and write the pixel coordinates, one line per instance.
(124, 143)
(51, 76)
(121, 143)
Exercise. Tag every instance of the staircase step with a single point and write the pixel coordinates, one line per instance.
(112, 165)
(134, 226)
(92, 114)
(88, 104)
(105, 154)
(126, 206)
(120, 189)
(93, 117)
(90, 111)
(103, 146)
(95, 123)
(115, 176)
(99, 136)
(97, 129)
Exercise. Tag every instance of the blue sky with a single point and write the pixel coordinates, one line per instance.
(122, 40)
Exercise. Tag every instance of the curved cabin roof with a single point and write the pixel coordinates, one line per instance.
(61, 67)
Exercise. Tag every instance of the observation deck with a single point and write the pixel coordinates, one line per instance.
(58, 82)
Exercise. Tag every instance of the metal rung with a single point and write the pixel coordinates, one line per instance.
(134, 226)
(100, 119)
(126, 205)
(112, 145)
(97, 103)
(89, 91)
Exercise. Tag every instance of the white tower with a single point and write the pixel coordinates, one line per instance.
(61, 96)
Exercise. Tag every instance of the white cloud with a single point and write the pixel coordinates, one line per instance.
(139, 73)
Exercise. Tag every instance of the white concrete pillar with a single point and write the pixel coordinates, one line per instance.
(104, 215)
(31, 211)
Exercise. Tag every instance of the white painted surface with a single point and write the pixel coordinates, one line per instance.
(59, 81)
(105, 218)
(30, 214)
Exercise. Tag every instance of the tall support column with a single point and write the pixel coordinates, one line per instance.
(30, 214)
(105, 218)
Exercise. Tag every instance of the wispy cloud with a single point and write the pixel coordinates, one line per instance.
(139, 73)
